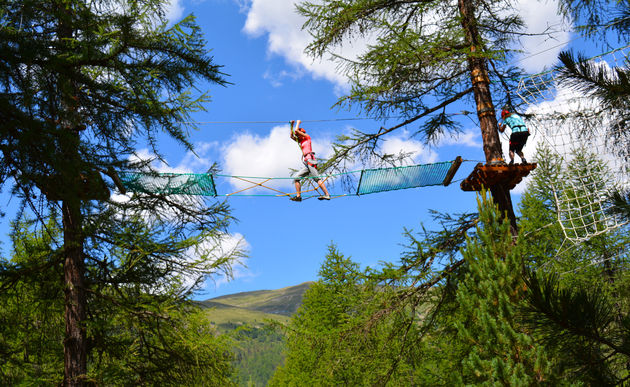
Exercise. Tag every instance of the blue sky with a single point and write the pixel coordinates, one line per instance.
(260, 44)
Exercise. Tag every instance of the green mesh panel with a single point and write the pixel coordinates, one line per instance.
(170, 183)
(388, 179)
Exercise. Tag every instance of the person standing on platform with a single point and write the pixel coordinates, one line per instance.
(519, 135)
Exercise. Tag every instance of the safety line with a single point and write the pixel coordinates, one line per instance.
(463, 112)
(286, 122)
(327, 176)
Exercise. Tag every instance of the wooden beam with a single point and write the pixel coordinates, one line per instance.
(451, 172)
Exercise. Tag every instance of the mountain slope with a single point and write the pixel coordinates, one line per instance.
(227, 312)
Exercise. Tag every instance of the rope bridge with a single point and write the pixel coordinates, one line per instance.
(369, 181)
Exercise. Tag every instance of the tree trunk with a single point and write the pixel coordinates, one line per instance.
(69, 172)
(75, 348)
(485, 108)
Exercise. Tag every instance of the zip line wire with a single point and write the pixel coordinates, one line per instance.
(286, 121)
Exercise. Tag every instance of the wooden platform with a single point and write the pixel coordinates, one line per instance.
(489, 175)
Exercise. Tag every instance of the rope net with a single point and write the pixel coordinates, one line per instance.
(170, 183)
(388, 179)
(370, 181)
(589, 139)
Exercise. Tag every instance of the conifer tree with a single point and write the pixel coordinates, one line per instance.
(335, 338)
(599, 259)
(82, 85)
(425, 59)
(577, 298)
(146, 342)
(583, 326)
(500, 350)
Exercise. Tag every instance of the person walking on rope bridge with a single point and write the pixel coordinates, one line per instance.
(308, 159)
(519, 135)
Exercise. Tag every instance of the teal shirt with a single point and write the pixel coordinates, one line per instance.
(516, 123)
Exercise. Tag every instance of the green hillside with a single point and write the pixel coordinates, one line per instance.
(253, 308)
(258, 350)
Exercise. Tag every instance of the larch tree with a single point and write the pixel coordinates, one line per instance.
(336, 338)
(577, 294)
(134, 337)
(501, 351)
(425, 60)
(83, 85)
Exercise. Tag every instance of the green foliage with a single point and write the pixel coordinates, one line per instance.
(82, 85)
(416, 63)
(588, 331)
(76, 108)
(577, 299)
(258, 352)
(473, 305)
(500, 351)
(621, 203)
(547, 248)
(336, 337)
(135, 337)
(496, 313)
(31, 313)
(174, 346)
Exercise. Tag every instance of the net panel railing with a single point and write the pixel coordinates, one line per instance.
(170, 183)
(396, 178)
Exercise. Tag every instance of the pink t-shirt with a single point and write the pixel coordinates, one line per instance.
(307, 150)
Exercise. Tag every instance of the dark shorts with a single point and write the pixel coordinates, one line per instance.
(518, 140)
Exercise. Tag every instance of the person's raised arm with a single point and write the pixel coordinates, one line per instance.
(295, 130)
(300, 133)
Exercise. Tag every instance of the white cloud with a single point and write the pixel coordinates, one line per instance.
(418, 152)
(222, 246)
(277, 79)
(174, 10)
(540, 17)
(280, 24)
(468, 137)
(273, 155)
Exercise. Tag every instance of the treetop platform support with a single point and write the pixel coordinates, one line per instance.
(489, 175)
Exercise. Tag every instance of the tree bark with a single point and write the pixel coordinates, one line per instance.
(485, 108)
(75, 348)
(69, 172)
